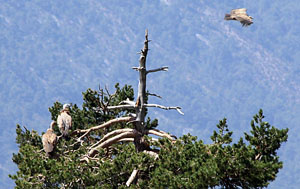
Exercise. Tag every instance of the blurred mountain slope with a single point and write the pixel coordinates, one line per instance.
(52, 51)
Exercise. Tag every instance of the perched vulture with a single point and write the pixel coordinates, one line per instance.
(64, 121)
(239, 15)
(49, 140)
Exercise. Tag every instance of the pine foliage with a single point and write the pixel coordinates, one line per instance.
(186, 163)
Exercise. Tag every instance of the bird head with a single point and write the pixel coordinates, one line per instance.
(66, 107)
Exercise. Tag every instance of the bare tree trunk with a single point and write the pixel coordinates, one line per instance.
(138, 119)
(141, 100)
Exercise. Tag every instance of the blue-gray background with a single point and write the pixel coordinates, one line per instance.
(54, 50)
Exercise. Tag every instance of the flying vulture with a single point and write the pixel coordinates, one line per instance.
(239, 15)
(64, 121)
(49, 140)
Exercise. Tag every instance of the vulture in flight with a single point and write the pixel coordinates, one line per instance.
(239, 15)
(64, 121)
(49, 140)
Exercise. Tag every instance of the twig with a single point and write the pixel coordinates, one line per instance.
(152, 94)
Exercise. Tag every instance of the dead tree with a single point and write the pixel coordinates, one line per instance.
(137, 134)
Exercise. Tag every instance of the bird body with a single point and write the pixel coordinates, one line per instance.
(49, 140)
(239, 15)
(64, 121)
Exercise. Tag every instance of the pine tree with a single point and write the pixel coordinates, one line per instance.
(110, 147)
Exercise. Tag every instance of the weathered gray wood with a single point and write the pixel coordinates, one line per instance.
(141, 99)
(164, 68)
(132, 177)
(140, 105)
(165, 108)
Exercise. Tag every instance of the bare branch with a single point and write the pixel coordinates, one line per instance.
(116, 138)
(111, 134)
(135, 171)
(135, 68)
(128, 102)
(126, 140)
(164, 68)
(152, 94)
(104, 125)
(107, 91)
(115, 132)
(120, 107)
(161, 134)
(132, 177)
(130, 134)
(138, 68)
(258, 157)
(165, 108)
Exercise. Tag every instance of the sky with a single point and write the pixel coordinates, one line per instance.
(53, 51)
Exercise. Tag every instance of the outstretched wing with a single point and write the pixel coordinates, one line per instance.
(239, 15)
(245, 20)
(238, 11)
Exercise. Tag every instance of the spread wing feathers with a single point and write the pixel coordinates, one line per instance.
(238, 11)
(64, 121)
(49, 140)
(239, 15)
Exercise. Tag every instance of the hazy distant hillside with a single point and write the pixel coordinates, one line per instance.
(54, 50)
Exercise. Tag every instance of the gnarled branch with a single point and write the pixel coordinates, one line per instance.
(104, 125)
(113, 140)
(159, 133)
(111, 134)
(115, 132)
